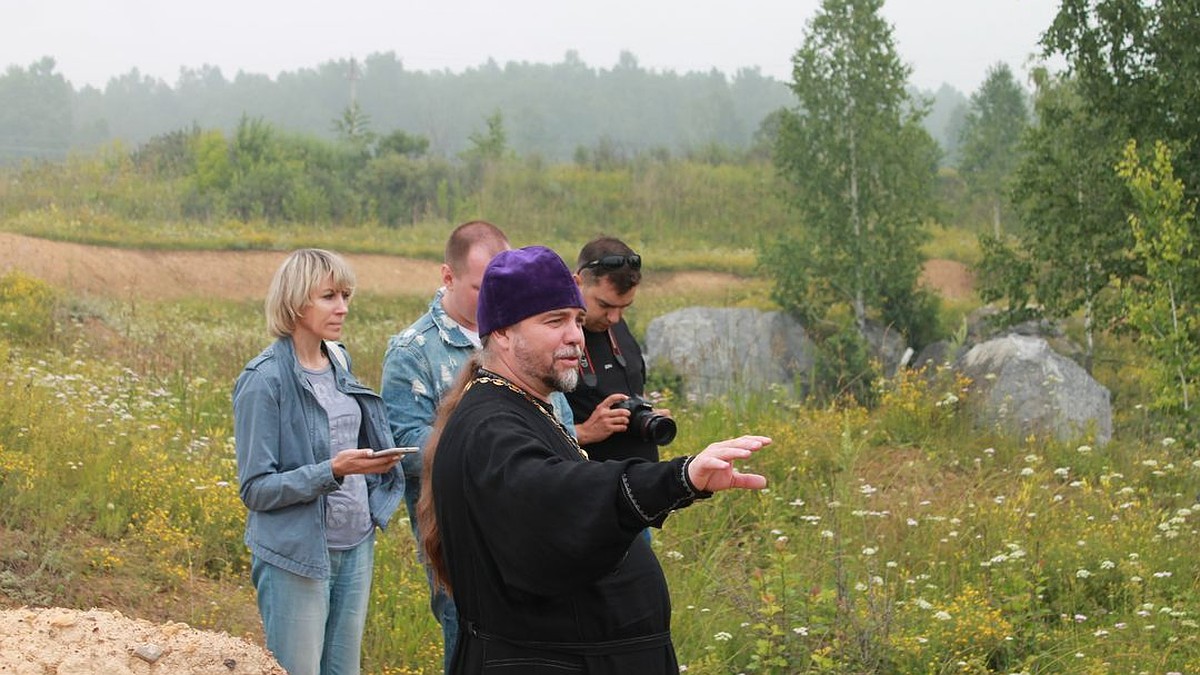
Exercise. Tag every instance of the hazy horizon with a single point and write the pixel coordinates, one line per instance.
(945, 41)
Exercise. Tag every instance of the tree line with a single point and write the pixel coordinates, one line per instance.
(551, 109)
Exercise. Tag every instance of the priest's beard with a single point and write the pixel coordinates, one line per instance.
(566, 380)
(535, 365)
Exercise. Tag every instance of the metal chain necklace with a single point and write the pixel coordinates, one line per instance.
(488, 377)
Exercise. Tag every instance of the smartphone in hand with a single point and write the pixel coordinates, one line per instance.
(389, 452)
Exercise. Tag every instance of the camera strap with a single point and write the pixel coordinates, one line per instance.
(587, 365)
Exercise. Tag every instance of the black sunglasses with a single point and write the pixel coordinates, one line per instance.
(615, 262)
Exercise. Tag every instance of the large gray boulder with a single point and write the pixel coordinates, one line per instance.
(719, 351)
(1022, 385)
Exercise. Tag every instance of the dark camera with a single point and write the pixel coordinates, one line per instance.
(647, 424)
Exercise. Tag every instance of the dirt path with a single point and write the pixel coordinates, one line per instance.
(239, 275)
(169, 275)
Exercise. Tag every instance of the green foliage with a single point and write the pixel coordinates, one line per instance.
(354, 128)
(947, 115)
(35, 120)
(795, 287)
(1135, 64)
(663, 383)
(168, 156)
(490, 145)
(280, 177)
(401, 143)
(860, 170)
(260, 173)
(990, 139)
(1164, 305)
(608, 155)
(1126, 65)
(717, 213)
(1070, 205)
(214, 171)
(843, 369)
(912, 310)
(550, 108)
(1004, 273)
(405, 190)
(950, 242)
(895, 539)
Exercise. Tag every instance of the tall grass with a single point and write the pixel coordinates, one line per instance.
(681, 214)
(901, 539)
(952, 243)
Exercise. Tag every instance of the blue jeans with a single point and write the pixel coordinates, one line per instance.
(315, 626)
(440, 603)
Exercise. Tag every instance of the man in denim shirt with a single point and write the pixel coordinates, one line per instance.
(422, 362)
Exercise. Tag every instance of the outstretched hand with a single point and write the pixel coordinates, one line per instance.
(712, 470)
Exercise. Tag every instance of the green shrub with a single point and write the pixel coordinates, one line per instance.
(27, 308)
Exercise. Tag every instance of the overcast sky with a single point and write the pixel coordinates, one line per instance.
(945, 41)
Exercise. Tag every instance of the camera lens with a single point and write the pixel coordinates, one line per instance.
(648, 425)
(659, 428)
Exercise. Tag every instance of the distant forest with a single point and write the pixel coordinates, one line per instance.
(548, 110)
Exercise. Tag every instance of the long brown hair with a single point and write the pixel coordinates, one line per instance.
(427, 524)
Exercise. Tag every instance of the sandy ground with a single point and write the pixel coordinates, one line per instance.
(72, 642)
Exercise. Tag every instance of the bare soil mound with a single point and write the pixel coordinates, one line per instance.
(948, 278)
(74, 642)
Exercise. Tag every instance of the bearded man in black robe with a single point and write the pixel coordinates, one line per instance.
(539, 546)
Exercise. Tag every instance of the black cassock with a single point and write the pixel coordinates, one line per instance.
(548, 570)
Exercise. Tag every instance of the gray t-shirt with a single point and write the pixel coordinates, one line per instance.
(347, 514)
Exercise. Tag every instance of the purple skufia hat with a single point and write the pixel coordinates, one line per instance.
(521, 283)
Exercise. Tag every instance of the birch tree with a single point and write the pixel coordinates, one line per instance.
(860, 170)
(1163, 306)
(990, 140)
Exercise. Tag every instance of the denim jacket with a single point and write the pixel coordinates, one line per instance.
(284, 467)
(419, 366)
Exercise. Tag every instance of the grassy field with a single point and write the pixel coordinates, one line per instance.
(727, 210)
(900, 539)
(903, 538)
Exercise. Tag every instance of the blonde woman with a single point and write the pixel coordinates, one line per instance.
(307, 432)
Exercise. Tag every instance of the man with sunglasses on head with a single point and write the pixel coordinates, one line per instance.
(612, 369)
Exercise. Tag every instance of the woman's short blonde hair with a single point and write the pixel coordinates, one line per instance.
(294, 282)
